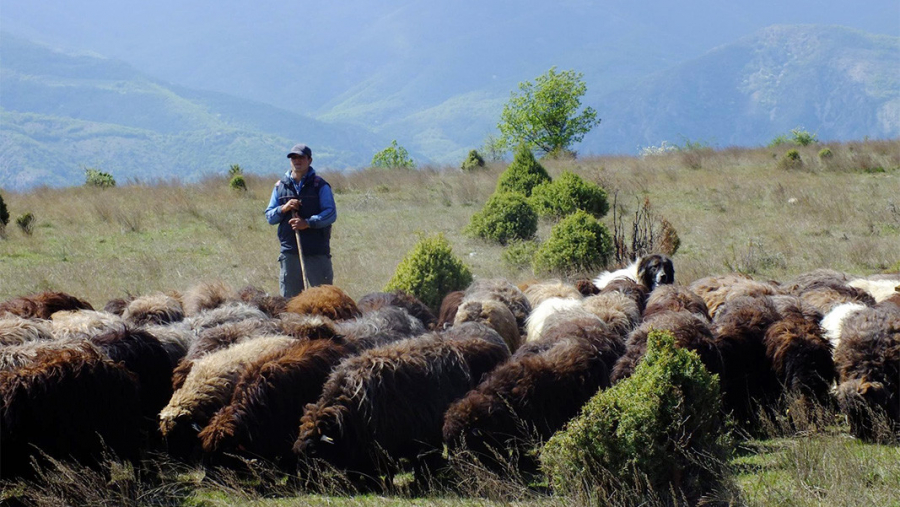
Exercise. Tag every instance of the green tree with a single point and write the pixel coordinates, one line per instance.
(544, 114)
(394, 156)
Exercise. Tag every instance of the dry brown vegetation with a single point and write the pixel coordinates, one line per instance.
(737, 212)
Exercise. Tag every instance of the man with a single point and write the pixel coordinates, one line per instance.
(302, 202)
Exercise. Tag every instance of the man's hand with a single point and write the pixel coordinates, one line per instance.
(292, 205)
(298, 224)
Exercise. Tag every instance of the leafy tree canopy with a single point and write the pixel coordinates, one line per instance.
(394, 156)
(544, 114)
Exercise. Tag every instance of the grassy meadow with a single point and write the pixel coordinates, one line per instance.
(734, 209)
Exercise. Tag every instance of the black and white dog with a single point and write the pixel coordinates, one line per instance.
(651, 271)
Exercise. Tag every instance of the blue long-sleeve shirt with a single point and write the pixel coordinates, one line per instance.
(327, 215)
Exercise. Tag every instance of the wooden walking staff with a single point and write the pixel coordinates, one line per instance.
(300, 251)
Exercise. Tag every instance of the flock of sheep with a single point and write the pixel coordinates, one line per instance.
(373, 385)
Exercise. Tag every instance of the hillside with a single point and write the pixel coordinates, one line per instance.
(64, 112)
(840, 83)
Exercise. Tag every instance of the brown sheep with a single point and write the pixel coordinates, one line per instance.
(449, 306)
(145, 356)
(262, 418)
(175, 338)
(539, 292)
(618, 311)
(70, 403)
(230, 312)
(207, 296)
(586, 287)
(155, 308)
(868, 365)
(84, 323)
(222, 336)
(401, 299)
(494, 314)
(15, 330)
(691, 332)
(535, 393)
(307, 327)
(43, 305)
(739, 328)
(388, 403)
(499, 289)
(633, 290)
(325, 300)
(207, 388)
(674, 298)
(800, 358)
(268, 304)
(716, 290)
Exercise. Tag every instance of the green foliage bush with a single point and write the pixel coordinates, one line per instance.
(97, 178)
(519, 254)
(235, 170)
(429, 271)
(802, 137)
(661, 426)
(568, 193)
(523, 174)
(393, 157)
(790, 160)
(4, 213)
(506, 216)
(473, 162)
(578, 243)
(238, 183)
(25, 222)
(826, 154)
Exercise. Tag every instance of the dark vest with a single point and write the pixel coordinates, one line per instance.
(314, 241)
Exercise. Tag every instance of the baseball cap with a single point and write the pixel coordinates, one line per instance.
(300, 149)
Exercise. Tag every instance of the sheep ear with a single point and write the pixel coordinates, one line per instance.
(326, 439)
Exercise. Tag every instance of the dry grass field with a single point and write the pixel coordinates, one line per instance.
(734, 209)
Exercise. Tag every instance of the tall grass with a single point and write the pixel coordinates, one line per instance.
(738, 211)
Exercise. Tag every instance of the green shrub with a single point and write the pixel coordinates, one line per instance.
(97, 178)
(430, 271)
(802, 137)
(393, 157)
(473, 162)
(4, 213)
(523, 174)
(790, 160)
(235, 170)
(578, 243)
(519, 254)
(659, 431)
(238, 183)
(826, 154)
(568, 193)
(25, 222)
(781, 139)
(505, 217)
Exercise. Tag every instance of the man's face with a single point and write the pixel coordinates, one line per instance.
(300, 163)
